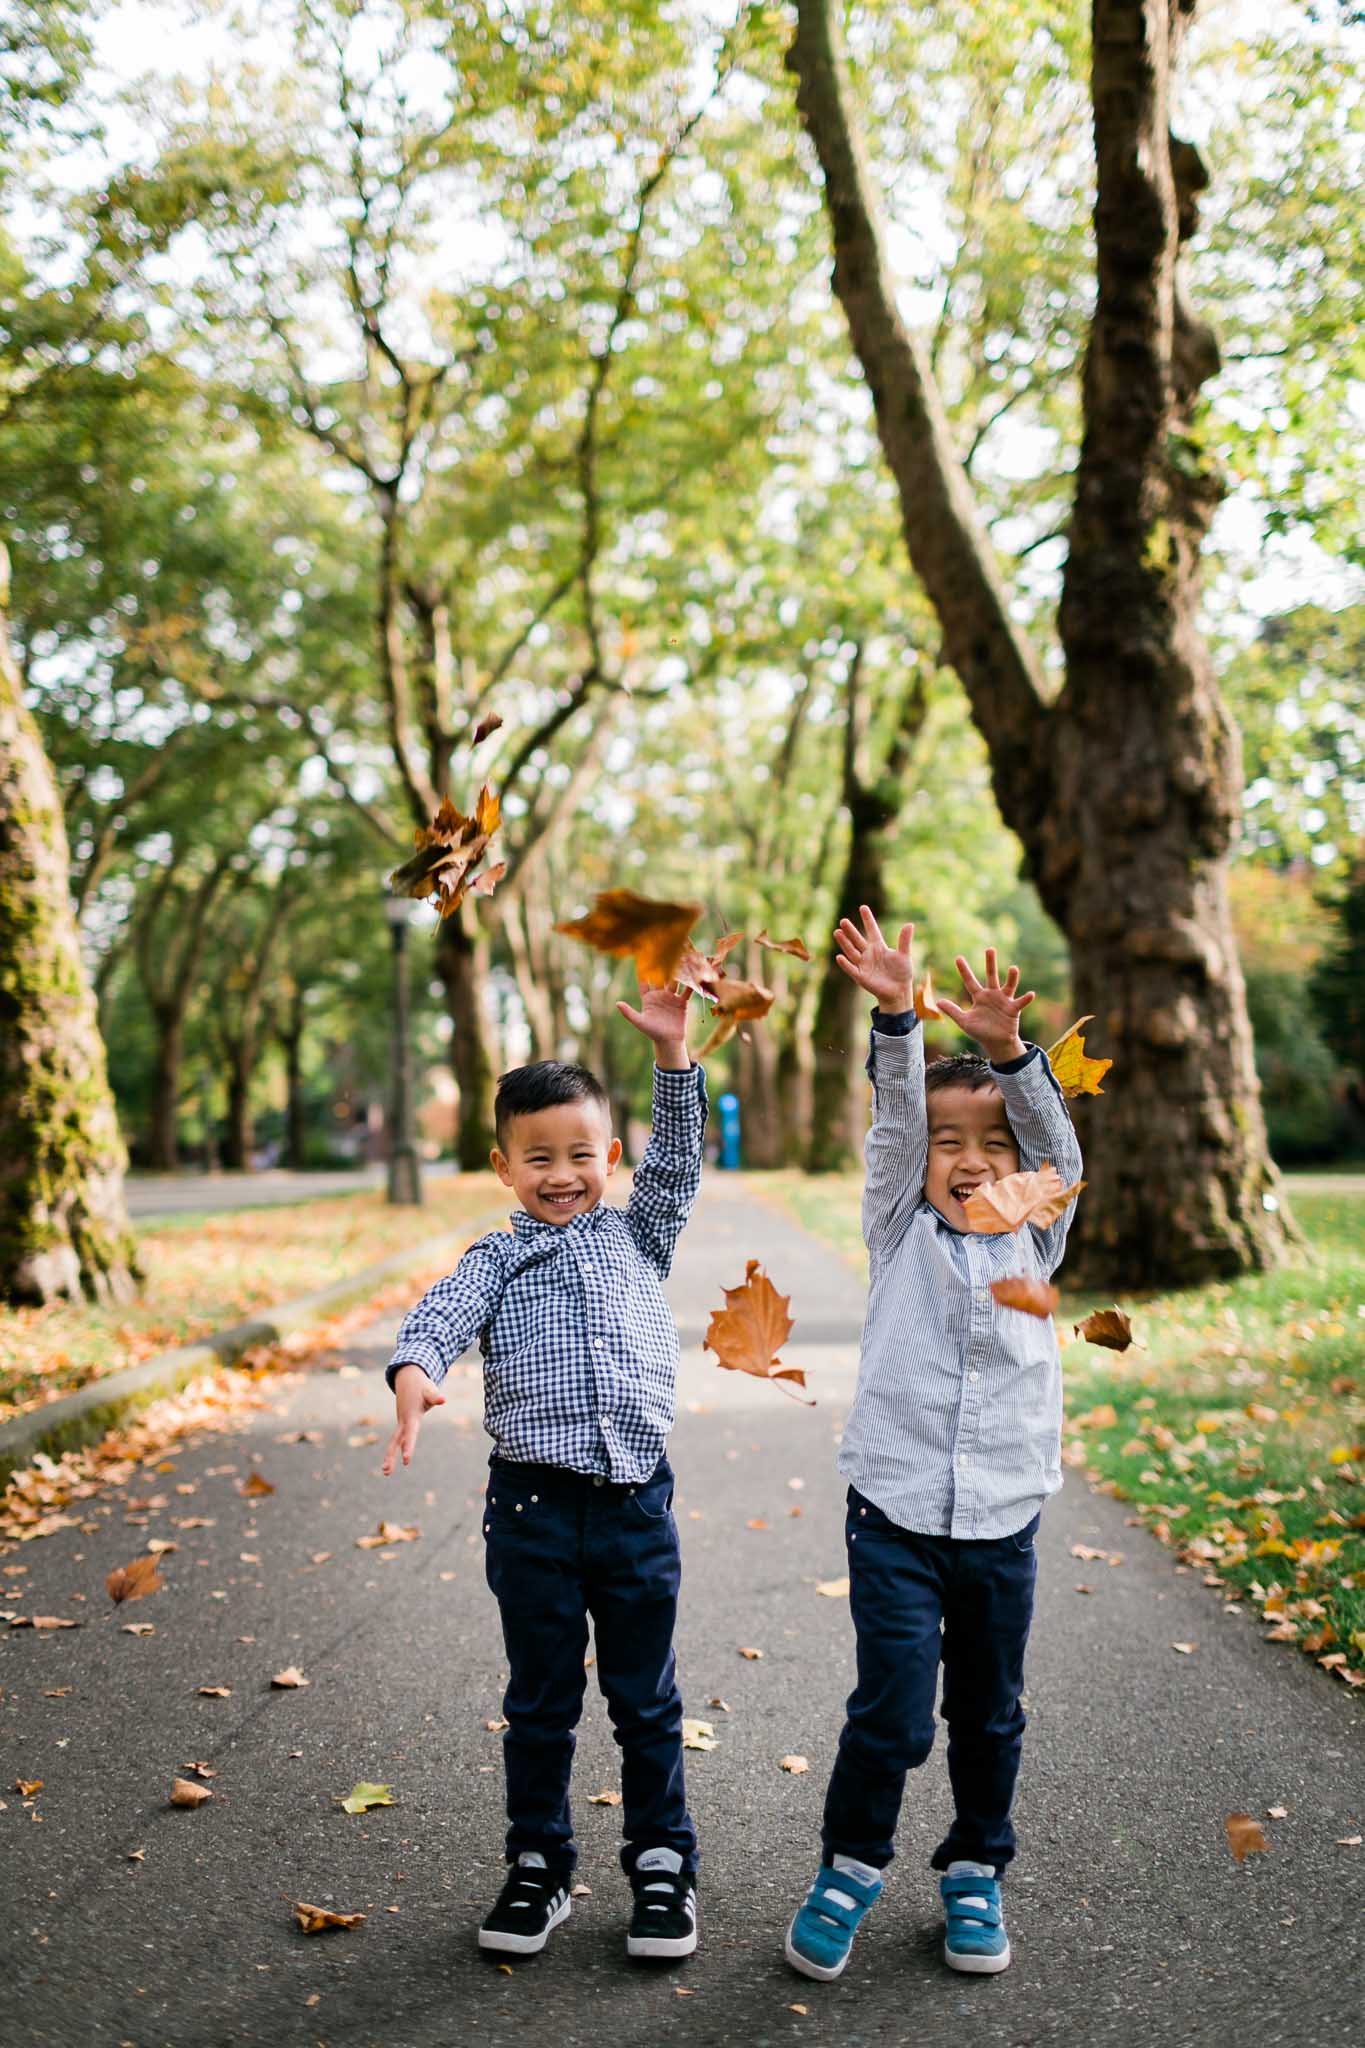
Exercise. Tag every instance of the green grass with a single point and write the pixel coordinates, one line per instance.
(1238, 1432)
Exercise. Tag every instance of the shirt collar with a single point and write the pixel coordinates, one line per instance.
(527, 1226)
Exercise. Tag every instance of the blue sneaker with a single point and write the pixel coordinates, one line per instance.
(820, 1938)
(975, 1939)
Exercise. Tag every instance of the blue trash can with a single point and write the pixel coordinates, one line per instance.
(728, 1108)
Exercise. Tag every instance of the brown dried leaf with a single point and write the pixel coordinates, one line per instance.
(833, 1589)
(317, 1919)
(26, 1787)
(651, 932)
(215, 1692)
(1245, 1836)
(793, 946)
(925, 1000)
(51, 1621)
(1109, 1327)
(1019, 1198)
(752, 1655)
(255, 1487)
(139, 1628)
(748, 1332)
(486, 725)
(604, 1799)
(1074, 1071)
(795, 1765)
(387, 1532)
(290, 1679)
(742, 1001)
(1030, 1297)
(133, 1581)
(448, 853)
(185, 1793)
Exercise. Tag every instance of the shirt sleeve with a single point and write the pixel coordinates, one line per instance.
(451, 1314)
(667, 1178)
(1043, 1129)
(897, 1147)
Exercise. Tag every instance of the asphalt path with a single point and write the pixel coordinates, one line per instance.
(154, 1196)
(1130, 1920)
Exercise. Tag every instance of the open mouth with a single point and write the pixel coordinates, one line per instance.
(562, 1201)
(963, 1188)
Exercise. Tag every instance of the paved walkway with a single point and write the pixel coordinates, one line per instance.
(1131, 1922)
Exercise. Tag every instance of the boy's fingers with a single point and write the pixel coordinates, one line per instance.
(1022, 1002)
(969, 980)
(394, 1446)
(850, 968)
(631, 1016)
(950, 1009)
(903, 942)
(1011, 981)
(992, 978)
(871, 926)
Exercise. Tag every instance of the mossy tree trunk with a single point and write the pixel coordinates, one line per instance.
(63, 1224)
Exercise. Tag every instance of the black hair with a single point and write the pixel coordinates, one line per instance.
(544, 1084)
(958, 1070)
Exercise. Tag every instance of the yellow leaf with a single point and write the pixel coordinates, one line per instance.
(363, 1796)
(699, 1735)
(1075, 1072)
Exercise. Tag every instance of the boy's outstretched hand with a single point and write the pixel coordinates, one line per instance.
(662, 1016)
(993, 1011)
(886, 972)
(414, 1394)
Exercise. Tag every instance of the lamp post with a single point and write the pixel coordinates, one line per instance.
(405, 1174)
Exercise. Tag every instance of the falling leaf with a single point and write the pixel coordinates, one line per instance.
(1073, 1070)
(792, 946)
(486, 725)
(139, 1628)
(752, 1655)
(185, 1793)
(748, 1332)
(216, 1692)
(604, 1799)
(1245, 1836)
(387, 1532)
(1185, 1649)
(833, 1589)
(317, 1919)
(698, 1735)
(795, 1765)
(1004, 1205)
(363, 1796)
(448, 854)
(26, 1787)
(651, 932)
(133, 1581)
(1109, 1327)
(924, 1000)
(289, 1679)
(1031, 1297)
(255, 1487)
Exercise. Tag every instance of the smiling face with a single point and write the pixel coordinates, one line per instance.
(558, 1160)
(970, 1145)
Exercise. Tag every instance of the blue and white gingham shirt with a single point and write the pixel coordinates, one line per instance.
(580, 1350)
(956, 1424)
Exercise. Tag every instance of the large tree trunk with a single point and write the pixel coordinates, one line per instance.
(839, 1084)
(290, 1035)
(63, 1226)
(462, 964)
(1124, 790)
(760, 1104)
(239, 1133)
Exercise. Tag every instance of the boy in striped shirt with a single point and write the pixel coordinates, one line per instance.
(952, 1446)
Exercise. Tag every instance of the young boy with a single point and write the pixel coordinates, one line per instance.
(580, 1360)
(952, 1446)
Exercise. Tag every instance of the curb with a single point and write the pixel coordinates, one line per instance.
(83, 1417)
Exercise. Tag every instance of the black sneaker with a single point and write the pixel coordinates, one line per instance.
(532, 1901)
(664, 1923)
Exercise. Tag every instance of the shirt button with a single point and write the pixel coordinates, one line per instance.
(597, 1343)
(518, 1507)
(534, 1498)
(973, 1375)
(598, 1479)
(964, 1460)
(982, 1296)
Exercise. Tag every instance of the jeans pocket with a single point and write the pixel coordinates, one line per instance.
(1023, 1539)
(651, 1504)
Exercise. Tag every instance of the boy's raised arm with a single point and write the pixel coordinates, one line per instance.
(897, 1147)
(667, 1178)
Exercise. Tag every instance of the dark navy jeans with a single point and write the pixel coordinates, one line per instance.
(561, 1546)
(916, 1601)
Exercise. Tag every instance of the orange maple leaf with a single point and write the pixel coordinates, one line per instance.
(747, 1334)
(1073, 1069)
(653, 933)
(1032, 1297)
(795, 947)
(1038, 1198)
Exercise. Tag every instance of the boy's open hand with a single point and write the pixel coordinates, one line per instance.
(886, 972)
(993, 1009)
(662, 1016)
(414, 1394)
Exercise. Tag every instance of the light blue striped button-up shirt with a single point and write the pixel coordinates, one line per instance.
(956, 1425)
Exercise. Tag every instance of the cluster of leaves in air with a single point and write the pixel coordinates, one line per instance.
(446, 865)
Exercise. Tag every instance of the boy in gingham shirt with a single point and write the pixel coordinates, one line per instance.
(952, 1445)
(580, 1361)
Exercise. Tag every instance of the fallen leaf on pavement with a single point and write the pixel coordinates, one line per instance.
(1245, 1836)
(580, 1891)
(26, 1787)
(604, 1799)
(160, 1546)
(756, 1522)
(1085, 1589)
(1348, 1841)
(317, 1919)
(1019, 1198)
(1029, 1297)
(795, 1765)
(58, 1692)
(1278, 1812)
(200, 1770)
(1185, 1649)
(363, 1796)
(290, 1678)
(216, 1692)
(698, 1735)
(136, 1856)
(184, 1793)
(139, 1628)
(752, 1655)
(320, 1557)
(255, 1487)
(496, 1727)
(833, 1589)
(387, 1532)
(133, 1581)
(42, 1621)
(802, 2009)
(723, 1706)
(1109, 1327)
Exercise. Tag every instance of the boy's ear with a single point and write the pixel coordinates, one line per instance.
(613, 1155)
(500, 1167)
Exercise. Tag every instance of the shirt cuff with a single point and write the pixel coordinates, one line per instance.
(894, 1023)
(1032, 1076)
(680, 1104)
(416, 1353)
(1013, 1066)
